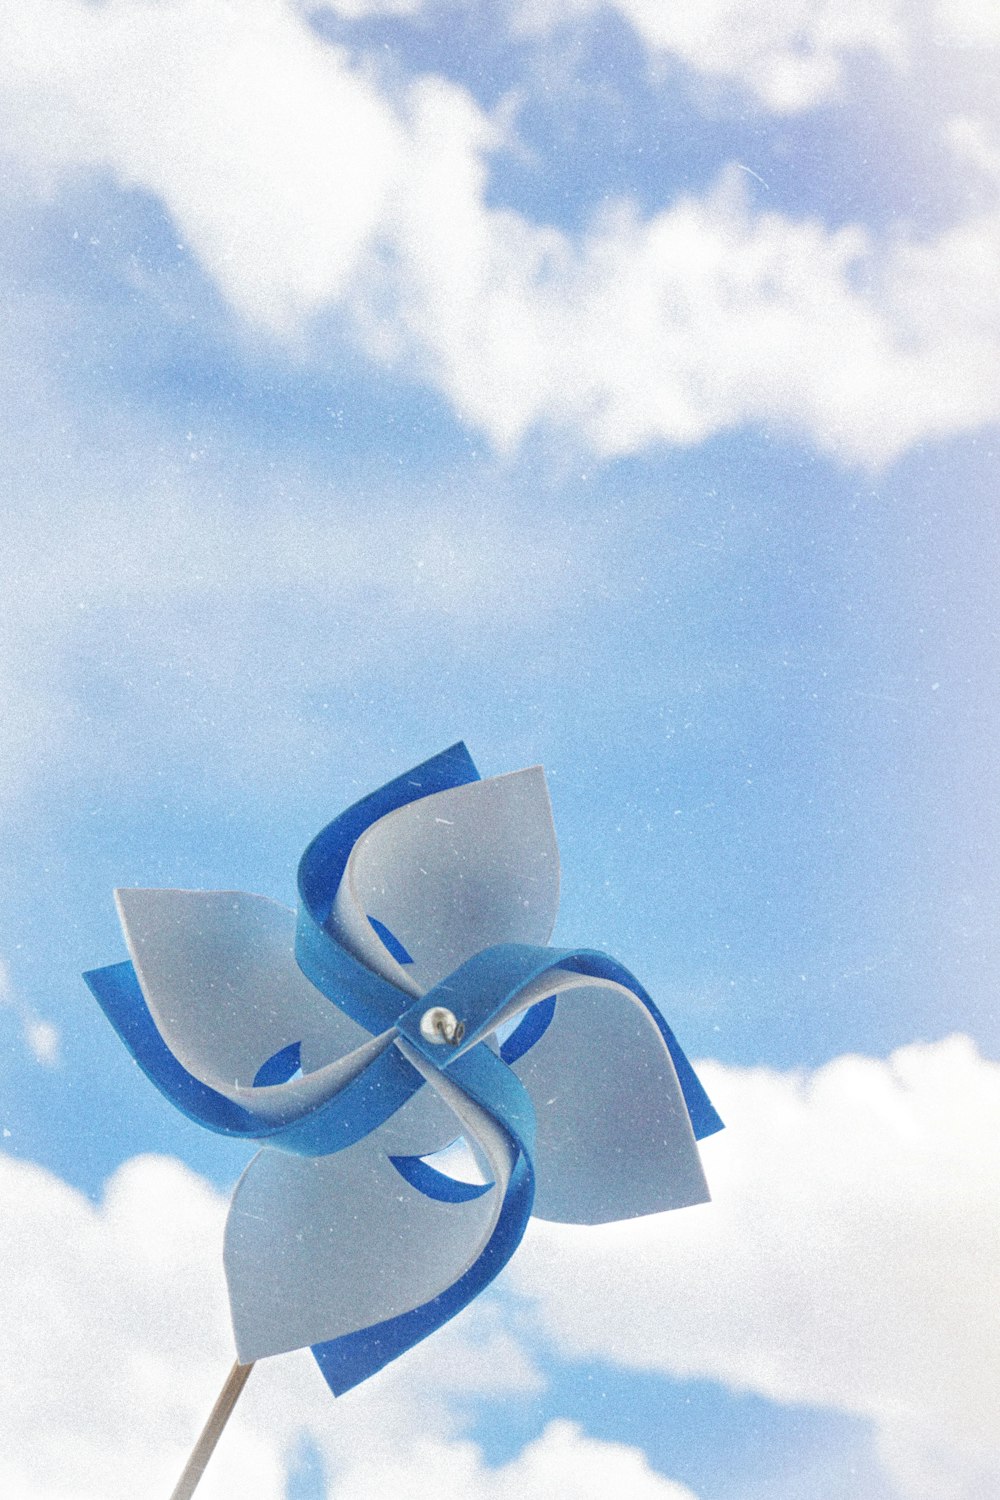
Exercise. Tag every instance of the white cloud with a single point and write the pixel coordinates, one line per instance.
(966, 23)
(787, 55)
(790, 54)
(707, 316)
(116, 1341)
(303, 183)
(563, 1462)
(114, 1335)
(972, 142)
(358, 10)
(41, 1038)
(273, 154)
(850, 1259)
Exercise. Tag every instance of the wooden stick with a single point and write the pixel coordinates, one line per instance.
(205, 1446)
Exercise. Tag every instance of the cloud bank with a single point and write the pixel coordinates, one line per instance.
(789, 54)
(116, 1341)
(849, 1260)
(304, 183)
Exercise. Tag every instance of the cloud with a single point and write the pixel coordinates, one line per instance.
(708, 316)
(965, 23)
(41, 1038)
(790, 54)
(116, 1341)
(304, 182)
(787, 55)
(359, 10)
(272, 152)
(849, 1260)
(563, 1461)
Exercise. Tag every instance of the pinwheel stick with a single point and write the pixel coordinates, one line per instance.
(205, 1446)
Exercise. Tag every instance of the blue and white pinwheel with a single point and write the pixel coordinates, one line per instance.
(357, 1040)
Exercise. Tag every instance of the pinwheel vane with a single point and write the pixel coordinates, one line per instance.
(410, 1004)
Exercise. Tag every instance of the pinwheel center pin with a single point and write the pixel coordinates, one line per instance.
(437, 881)
(438, 1024)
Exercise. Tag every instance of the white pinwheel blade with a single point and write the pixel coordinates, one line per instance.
(218, 972)
(320, 1247)
(448, 875)
(613, 1135)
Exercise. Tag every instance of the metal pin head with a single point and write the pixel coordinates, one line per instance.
(441, 1026)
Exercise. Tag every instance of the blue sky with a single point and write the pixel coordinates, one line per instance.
(616, 388)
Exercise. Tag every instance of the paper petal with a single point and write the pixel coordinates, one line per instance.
(477, 1086)
(364, 994)
(424, 1126)
(316, 1249)
(449, 875)
(314, 1115)
(218, 974)
(614, 1138)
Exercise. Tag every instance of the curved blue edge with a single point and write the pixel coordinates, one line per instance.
(388, 1082)
(280, 1067)
(529, 1030)
(368, 999)
(487, 981)
(325, 858)
(390, 941)
(434, 1184)
(360, 1107)
(479, 989)
(705, 1118)
(347, 1361)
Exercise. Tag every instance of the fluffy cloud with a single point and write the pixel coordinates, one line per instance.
(359, 10)
(849, 1259)
(561, 1462)
(303, 182)
(789, 53)
(707, 316)
(273, 153)
(116, 1341)
(967, 23)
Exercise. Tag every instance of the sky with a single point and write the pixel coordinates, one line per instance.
(615, 386)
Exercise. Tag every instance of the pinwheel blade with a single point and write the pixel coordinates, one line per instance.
(432, 883)
(613, 1135)
(219, 976)
(319, 1248)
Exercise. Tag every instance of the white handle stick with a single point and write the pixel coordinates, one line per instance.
(205, 1446)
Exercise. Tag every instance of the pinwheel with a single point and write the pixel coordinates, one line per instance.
(410, 1015)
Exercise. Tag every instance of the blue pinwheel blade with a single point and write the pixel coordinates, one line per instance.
(448, 875)
(218, 972)
(615, 1129)
(614, 1135)
(320, 1249)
